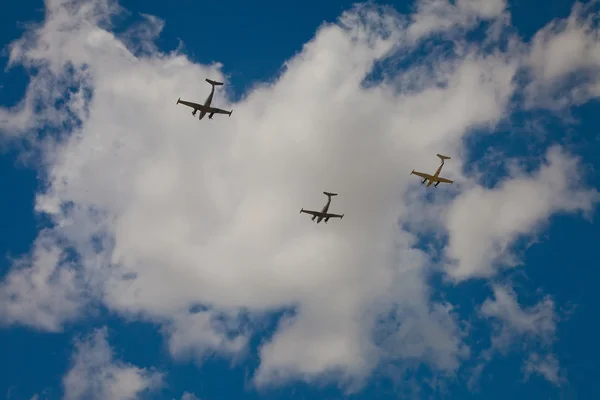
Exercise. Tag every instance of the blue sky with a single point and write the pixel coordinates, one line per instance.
(462, 322)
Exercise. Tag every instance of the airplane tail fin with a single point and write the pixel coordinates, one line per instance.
(230, 112)
(214, 83)
(330, 194)
(178, 100)
(443, 157)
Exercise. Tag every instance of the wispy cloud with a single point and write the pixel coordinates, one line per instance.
(530, 329)
(95, 374)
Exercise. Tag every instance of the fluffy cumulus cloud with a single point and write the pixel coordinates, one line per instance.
(195, 225)
(41, 290)
(94, 373)
(564, 52)
(483, 223)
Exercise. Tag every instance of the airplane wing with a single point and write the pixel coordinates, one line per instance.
(423, 175)
(333, 216)
(442, 180)
(314, 213)
(214, 110)
(190, 104)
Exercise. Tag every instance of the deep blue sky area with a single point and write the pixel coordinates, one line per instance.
(252, 40)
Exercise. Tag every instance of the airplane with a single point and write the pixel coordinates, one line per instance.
(433, 178)
(206, 108)
(323, 214)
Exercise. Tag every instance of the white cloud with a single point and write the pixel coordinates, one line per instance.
(546, 366)
(52, 79)
(194, 334)
(168, 213)
(484, 223)
(530, 330)
(564, 52)
(538, 321)
(189, 396)
(42, 289)
(436, 16)
(96, 375)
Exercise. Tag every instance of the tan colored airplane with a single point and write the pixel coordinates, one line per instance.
(323, 214)
(206, 108)
(433, 178)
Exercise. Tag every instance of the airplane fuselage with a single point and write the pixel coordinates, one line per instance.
(206, 104)
(324, 211)
(437, 173)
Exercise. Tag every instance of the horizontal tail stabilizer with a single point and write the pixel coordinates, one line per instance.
(443, 157)
(214, 83)
(330, 194)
